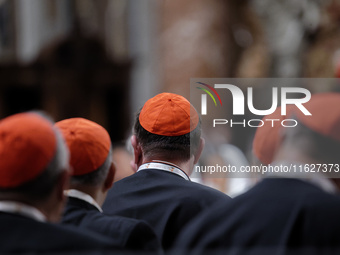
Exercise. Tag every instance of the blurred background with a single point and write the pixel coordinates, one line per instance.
(102, 59)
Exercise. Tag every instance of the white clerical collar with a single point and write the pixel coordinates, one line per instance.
(22, 209)
(82, 196)
(317, 178)
(164, 166)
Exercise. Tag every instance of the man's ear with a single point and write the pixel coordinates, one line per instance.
(63, 183)
(53, 208)
(137, 152)
(198, 153)
(109, 178)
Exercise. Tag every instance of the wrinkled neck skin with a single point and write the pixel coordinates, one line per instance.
(186, 166)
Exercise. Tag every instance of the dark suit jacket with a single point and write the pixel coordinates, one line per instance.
(277, 216)
(165, 200)
(130, 234)
(23, 235)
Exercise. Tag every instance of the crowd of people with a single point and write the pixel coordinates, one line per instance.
(58, 195)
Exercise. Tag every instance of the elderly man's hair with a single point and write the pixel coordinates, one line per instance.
(312, 144)
(170, 147)
(96, 177)
(41, 187)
